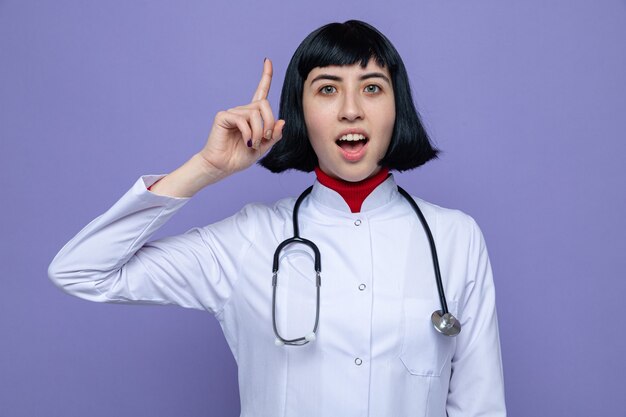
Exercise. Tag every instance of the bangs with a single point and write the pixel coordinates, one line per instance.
(344, 44)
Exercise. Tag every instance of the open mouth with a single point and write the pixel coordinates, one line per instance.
(352, 143)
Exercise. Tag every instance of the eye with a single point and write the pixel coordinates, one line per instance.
(372, 89)
(327, 89)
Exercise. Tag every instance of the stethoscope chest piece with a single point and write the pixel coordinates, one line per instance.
(445, 324)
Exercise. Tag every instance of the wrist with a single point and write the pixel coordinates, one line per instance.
(188, 179)
(210, 173)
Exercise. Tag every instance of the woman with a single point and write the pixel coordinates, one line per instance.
(347, 113)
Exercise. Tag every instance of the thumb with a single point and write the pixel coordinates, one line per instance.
(277, 134)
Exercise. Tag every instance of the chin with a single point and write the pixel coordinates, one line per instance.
(356, 174)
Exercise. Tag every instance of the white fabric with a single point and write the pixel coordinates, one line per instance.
(376, 353)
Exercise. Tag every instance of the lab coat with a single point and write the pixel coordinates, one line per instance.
(376, 352)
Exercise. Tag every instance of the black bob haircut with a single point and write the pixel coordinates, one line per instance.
(346, 44)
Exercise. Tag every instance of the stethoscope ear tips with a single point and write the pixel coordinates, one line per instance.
(445, 324)
(310, 337)
(278, 342)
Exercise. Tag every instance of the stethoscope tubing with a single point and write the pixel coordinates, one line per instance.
(443, 321)
(433, 249)
(318, 269)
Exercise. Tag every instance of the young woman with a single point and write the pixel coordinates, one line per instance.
(362, 343)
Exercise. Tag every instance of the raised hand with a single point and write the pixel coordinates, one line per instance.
(238, 138)
(241, 135)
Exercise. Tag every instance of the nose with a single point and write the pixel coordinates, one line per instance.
(350, 108)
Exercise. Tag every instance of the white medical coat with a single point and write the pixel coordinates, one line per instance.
(376, 352)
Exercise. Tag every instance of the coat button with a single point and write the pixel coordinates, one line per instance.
(362, 287)
(358, 361)
(357, 222)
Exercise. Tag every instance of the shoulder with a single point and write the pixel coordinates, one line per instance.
(448, 221)
(445, 214)
(260, 211)
(254, 216)
(454, 231)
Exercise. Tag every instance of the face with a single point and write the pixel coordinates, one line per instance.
(349, 113)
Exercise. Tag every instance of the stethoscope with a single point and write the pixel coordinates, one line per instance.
(443, 321)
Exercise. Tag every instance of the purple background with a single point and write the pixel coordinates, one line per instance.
(527, 100)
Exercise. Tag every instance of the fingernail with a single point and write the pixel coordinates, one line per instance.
(268, 134)
(264, 59)
(249, 143)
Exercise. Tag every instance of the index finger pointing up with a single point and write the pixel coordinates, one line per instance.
(266, 81)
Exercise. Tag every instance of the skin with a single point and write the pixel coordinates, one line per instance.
(241, 135)
(226, 150)
(337, 99)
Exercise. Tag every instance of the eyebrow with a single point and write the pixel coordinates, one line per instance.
(361, 78)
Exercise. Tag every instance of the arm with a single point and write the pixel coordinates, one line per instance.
(110, 259)
(477, 384)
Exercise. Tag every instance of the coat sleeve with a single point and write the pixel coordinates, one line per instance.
(477, 384)
(111, 260)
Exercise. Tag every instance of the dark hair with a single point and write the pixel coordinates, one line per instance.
(346, 44)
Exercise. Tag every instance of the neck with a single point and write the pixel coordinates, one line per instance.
(354, 193)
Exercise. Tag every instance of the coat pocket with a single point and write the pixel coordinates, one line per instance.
(424, 350)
